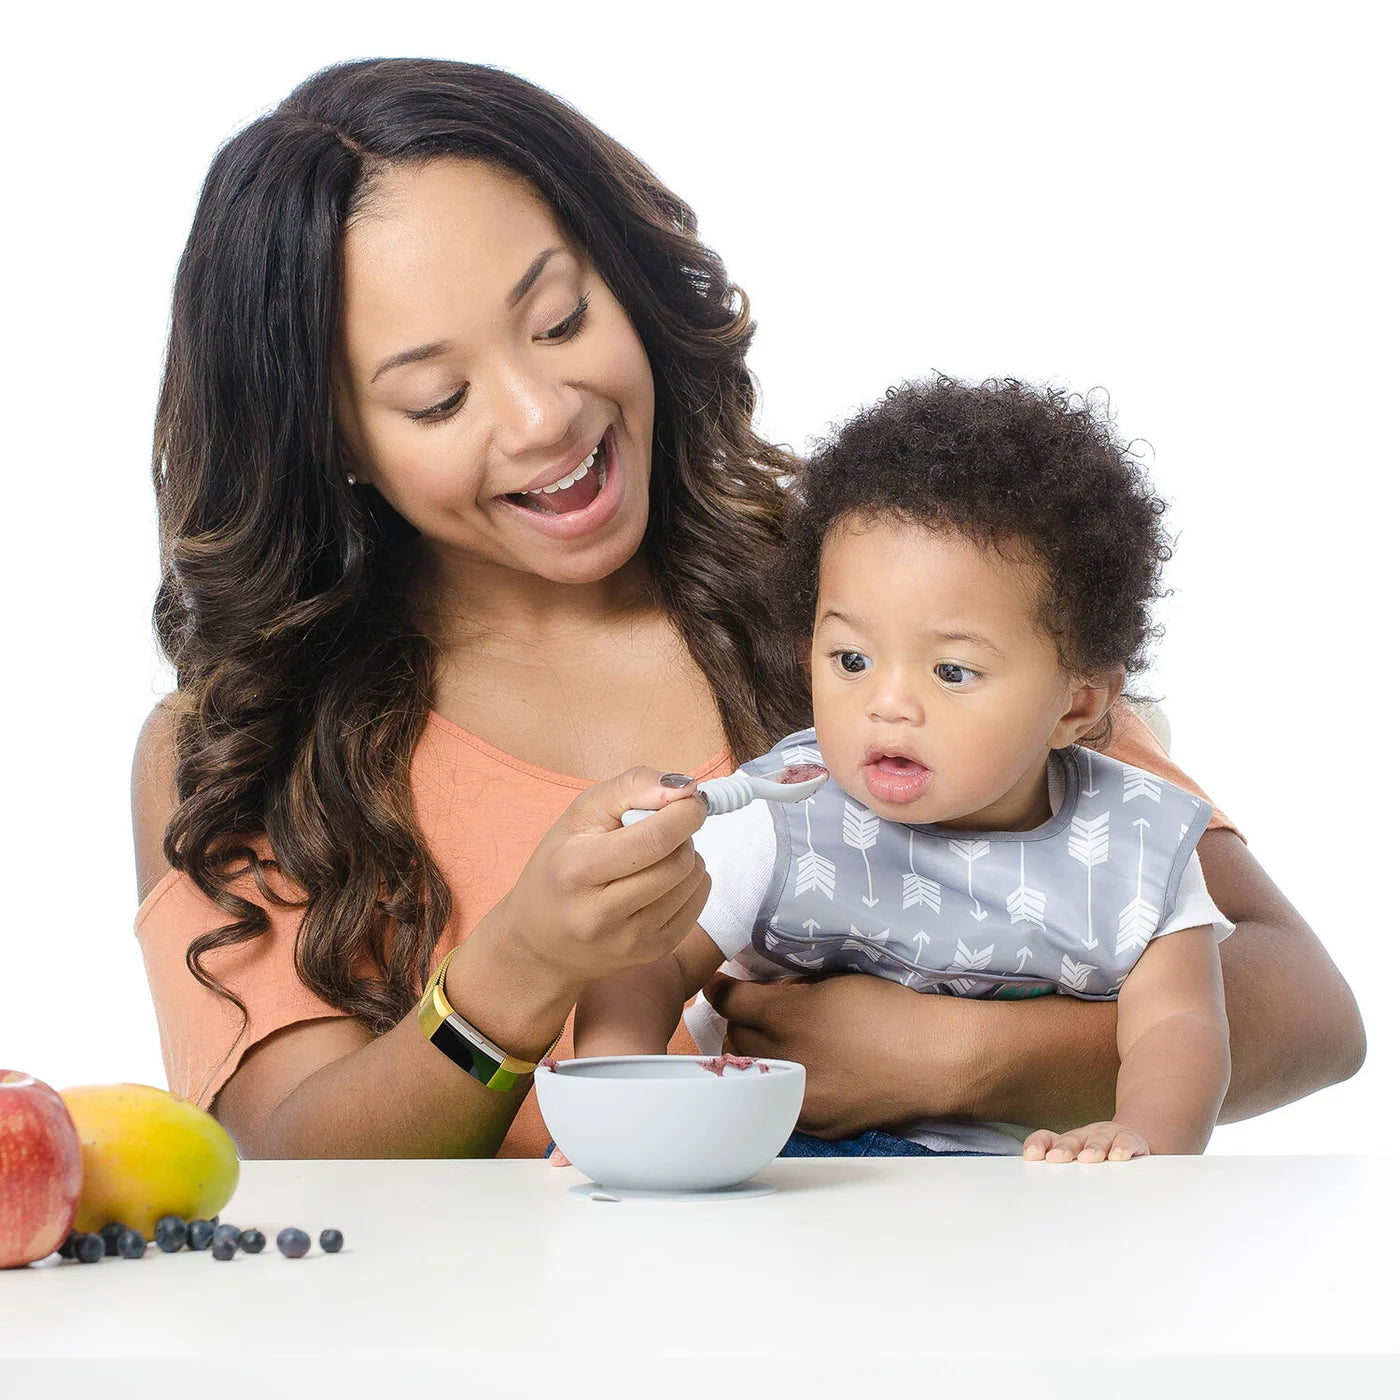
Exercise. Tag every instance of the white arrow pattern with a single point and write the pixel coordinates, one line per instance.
(1088, 844)
(1137, 921)
(1136, 783)
(968, 960)
(861, 829)
(1025, 905)
(815, 872)
(920, 889)
(862, 943)
(1089, 789)
(971, 851)
(1074, 974)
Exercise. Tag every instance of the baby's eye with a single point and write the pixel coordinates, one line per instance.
(950, 673)
(852, 662)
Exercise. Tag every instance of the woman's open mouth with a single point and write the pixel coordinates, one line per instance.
(574, 491)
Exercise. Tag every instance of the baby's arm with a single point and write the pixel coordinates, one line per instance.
(635, 1012)
(1174, 1058)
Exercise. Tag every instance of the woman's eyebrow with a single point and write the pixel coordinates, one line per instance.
(409, 357)
(436, 347)
(531, 276)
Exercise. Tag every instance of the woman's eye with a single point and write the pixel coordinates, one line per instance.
(439, 411)
(852, 662)
(950, 673)
(570, 325)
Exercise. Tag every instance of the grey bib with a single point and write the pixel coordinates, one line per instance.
(1067, 907)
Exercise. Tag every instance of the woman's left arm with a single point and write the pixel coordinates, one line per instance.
(1294, 1024)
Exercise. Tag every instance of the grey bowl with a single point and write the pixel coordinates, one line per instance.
(664, 1123)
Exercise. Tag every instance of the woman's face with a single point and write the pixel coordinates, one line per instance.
(490, 387)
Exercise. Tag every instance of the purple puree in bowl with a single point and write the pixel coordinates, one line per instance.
(727, 1061)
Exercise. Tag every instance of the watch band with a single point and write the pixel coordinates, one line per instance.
(462, 1043)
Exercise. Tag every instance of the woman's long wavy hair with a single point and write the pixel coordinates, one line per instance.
(303, 679)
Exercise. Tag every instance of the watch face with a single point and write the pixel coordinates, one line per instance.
(457, 1041)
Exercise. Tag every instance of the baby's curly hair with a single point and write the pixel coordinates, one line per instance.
(1023, 470)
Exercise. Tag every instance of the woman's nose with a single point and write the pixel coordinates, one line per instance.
(533, 408)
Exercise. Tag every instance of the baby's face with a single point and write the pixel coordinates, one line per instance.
(937, 697)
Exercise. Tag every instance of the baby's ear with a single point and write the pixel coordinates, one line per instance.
(1089, 701)
(1112, 685)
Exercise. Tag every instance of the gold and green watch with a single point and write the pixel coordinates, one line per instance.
(462, 1043)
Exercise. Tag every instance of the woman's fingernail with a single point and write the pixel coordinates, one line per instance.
(676, 780)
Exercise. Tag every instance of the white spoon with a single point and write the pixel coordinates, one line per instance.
(795, 783)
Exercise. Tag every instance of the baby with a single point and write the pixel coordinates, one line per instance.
(974, 567)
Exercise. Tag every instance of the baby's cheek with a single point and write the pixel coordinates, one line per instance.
(840, 756)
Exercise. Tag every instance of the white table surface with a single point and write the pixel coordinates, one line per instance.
(1236, 1276)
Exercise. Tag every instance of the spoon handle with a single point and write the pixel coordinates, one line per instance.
(720, 795)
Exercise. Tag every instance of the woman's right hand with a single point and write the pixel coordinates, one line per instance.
(596, 897)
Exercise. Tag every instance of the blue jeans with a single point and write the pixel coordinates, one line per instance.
(871, 1144)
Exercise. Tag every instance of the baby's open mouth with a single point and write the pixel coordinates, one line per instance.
(573, 491)
(891, 777)
(897, 764)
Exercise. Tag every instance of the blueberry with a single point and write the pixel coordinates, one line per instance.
(293, 1242)
(214, 1220)
(111, 1232)
(171, 1234)
(331, 1240)
(225, 1246)
(131, 1244)
(199, 1234)
(227, 1232)
(65, 1250)
(88, 1249)
(252, 1241)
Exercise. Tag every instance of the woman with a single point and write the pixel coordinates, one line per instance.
(461, 511)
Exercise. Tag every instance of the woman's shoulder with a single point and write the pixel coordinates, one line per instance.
(1136, 745)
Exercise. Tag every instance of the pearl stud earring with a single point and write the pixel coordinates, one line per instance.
(350, 477)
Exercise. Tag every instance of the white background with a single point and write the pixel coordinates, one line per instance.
(1189, 206)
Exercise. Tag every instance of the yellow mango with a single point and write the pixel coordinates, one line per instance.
(147, 1154)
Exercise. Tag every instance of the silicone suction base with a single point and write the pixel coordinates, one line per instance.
(745, 1191)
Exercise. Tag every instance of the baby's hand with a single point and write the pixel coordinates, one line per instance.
(1099, 1142)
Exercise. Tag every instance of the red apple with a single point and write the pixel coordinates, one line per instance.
(41, 1169)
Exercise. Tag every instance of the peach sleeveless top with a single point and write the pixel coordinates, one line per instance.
(482, 813)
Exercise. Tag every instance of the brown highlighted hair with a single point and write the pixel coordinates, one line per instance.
(303, 679)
